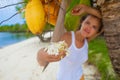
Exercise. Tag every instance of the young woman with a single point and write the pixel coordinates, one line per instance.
(70, 66)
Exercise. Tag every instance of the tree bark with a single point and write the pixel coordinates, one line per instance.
(111, 22)
(59, 28)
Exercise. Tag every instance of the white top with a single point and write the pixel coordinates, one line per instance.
(70, 66)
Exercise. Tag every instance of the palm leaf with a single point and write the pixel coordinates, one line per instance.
(72, 4)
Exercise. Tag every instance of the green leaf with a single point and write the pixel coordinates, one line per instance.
(73, 3)
(86, 2)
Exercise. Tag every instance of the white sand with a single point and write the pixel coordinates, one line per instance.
(18, 62)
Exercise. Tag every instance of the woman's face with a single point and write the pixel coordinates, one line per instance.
(90, 27)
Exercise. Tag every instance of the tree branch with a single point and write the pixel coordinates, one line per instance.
(12, 16)
(12, 4)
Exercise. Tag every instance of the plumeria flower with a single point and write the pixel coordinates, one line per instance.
(56, 47)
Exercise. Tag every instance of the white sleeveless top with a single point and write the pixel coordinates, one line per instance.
(70, 66)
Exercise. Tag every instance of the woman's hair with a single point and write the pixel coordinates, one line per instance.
(85, 16)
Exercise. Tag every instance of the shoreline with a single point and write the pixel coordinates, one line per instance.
(8, 38)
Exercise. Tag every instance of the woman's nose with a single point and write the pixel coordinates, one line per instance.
(89, 27)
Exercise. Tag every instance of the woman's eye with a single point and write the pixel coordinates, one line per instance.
(87, 22)
(95, 27)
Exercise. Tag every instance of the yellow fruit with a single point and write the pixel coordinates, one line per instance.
(35, 16)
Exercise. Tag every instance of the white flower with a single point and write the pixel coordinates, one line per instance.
(55, 47)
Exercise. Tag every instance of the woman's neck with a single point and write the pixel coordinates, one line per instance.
(79, 37)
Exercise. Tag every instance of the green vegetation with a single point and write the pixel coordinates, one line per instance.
(48, 27)
(14, 28)
(98, 55)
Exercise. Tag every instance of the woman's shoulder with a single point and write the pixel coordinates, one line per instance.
(66, 37)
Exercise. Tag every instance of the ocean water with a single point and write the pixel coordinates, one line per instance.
(7, 38)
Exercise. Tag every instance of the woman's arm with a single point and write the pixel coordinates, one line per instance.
(81, 8)
(44, 58)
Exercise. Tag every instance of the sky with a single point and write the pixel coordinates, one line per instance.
(9, 11)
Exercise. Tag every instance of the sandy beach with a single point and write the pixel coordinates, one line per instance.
(18, 62)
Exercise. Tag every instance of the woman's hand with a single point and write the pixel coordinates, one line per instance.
(43, 57)
(79, 9)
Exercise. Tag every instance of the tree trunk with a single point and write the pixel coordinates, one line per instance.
(111, 22)
(59, 28)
